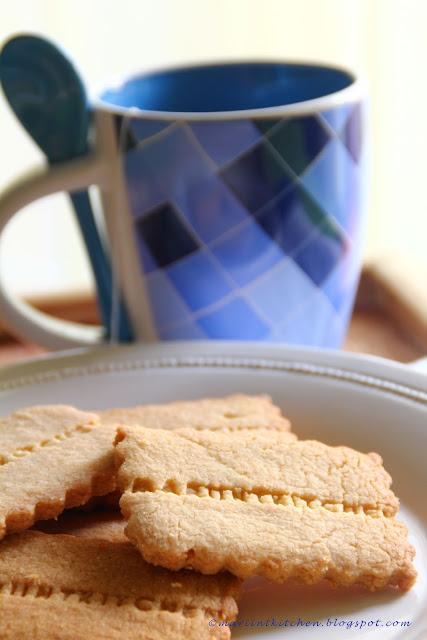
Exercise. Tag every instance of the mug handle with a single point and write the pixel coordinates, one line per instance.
(22, 318)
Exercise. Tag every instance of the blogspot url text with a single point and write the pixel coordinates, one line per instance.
(333, 623)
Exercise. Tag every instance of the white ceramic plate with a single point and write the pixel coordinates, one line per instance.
(367, 403)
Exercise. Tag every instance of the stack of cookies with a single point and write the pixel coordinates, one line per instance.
(211, 492)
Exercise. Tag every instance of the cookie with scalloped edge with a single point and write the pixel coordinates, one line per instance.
(51, 458)
(261, 504)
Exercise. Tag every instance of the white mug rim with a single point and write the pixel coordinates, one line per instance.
(354, 92)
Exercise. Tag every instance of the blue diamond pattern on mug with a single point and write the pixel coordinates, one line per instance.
(257, 176)
(208, 283)
(267, 124)
(188, 331)
(210, 207)
(299, 141)
(353, 133)
(132, 131)
(248, 229)
(334, 332)
(143, 130)
(224, 140)
(234, 320)
(341, 280)
(281, 290)
(322, 251)
(161, 168)
(333, 180)
(336, 118)
(164, 297)
(147, 261)
(301, 320)
(291, 218)
(174, 168)
(247, 253)
(165, 235)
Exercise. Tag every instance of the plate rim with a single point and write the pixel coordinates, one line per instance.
(376, 373)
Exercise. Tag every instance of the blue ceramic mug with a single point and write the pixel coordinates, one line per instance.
(232, 196)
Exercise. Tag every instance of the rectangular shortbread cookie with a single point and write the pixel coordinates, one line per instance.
(59, 587)
(231, 413)
(262, 505)
(51, 458)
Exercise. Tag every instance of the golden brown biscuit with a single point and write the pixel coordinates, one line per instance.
(230, 413)
(56, 587)
(104, 525)
(262, 505)
(51, 458)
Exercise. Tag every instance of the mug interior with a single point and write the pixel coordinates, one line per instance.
(227, 87)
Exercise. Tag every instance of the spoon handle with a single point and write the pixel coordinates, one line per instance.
(100, 267)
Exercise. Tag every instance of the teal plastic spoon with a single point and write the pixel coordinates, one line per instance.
(49, 99)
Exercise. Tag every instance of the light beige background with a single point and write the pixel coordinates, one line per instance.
(384, 39)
